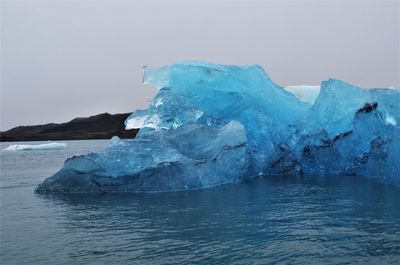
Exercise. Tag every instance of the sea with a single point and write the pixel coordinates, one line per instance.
(266, 220)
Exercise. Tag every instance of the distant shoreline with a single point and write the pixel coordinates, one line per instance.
(101, 126)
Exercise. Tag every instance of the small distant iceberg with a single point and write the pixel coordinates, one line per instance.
(26, 147)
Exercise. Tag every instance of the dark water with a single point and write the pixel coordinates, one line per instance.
(268, 220)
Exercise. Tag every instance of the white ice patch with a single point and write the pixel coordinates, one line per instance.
(25, 147)
(304, 93)
(159, 102)
(390, 120)
(198, 114)
(143, 121)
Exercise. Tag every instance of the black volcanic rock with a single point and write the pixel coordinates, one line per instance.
(102, 126)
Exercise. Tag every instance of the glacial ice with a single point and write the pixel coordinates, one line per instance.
(198, 92)
(26, 147)
(212, 124)
(189, 157)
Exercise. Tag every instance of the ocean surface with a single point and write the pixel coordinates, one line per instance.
(308, 220)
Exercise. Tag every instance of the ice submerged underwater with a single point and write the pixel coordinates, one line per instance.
(213, 124)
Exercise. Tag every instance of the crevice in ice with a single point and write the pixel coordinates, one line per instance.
(368, 107)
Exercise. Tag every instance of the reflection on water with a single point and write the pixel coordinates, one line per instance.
(270, 219)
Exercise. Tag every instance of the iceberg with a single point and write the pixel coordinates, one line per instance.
(212, 124)
(26, 147)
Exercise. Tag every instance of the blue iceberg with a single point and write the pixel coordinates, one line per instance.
(213, 124)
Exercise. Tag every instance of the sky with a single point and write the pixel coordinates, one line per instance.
(66, 59)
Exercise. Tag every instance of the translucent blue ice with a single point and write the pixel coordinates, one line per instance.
(348, 130)
(190, 157)
(212, 124)
(204, 93)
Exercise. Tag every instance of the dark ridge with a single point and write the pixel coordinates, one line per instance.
(368, 107)
(102, 126)
(341, 136)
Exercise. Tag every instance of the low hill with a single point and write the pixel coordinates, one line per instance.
(102, 126)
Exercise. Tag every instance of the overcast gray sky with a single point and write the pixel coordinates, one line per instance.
(63, 59)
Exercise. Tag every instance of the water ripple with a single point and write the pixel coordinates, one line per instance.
(336, 220)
